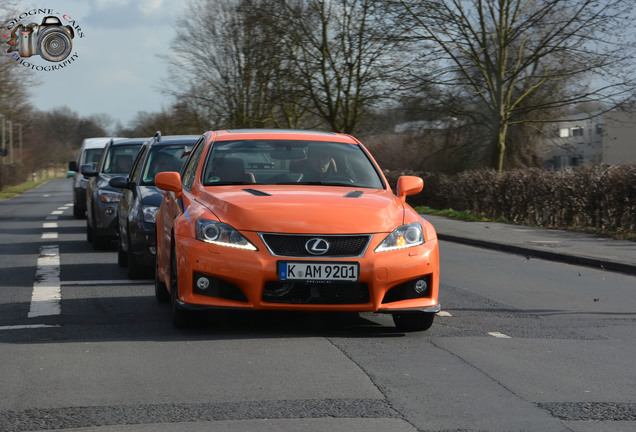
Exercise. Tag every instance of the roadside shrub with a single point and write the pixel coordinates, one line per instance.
(599, 197)
(11, 174)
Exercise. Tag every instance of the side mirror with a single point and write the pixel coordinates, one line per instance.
(409, 185)
(72, 166)
(120, 183)
(169, 181)
(88, 170)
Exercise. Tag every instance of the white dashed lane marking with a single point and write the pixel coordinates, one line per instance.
(47, 289)
(47, 293)
(499, 335)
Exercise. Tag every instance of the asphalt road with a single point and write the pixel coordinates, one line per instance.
(521, 345)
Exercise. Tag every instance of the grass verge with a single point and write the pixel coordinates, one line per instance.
(11, 191)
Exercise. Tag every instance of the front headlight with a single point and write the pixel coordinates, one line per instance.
(221, 234)
(404, 236)
(107, 196)
(150, 213)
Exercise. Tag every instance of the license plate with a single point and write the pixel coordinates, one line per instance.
(306, 271)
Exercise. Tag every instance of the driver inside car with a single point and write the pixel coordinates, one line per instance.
(319, 165)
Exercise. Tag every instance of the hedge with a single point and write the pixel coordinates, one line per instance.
(601, 197)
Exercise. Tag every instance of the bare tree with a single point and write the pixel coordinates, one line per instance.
(283, 63)
(512, 55)
(176, 120)
(342, 59)
(223, 62)
(15, 82)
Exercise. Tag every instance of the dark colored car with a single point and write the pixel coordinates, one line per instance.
(101, 198)
(88, 154)
(141, 198)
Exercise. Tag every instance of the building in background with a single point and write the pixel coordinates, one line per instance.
(609, 138)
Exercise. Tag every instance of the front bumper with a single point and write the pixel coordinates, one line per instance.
(105, 218)
(249, 280)
(143, 243)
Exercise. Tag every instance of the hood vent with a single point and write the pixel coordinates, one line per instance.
(354, 194)
(257, 192)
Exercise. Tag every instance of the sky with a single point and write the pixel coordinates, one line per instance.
(115, 67)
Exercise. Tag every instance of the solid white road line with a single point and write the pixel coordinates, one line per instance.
(108, 282)
(47, 292)
(28, 327)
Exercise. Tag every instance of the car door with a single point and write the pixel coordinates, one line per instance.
(129, 206)
(171, 207)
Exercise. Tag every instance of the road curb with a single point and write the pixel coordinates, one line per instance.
(597, 263)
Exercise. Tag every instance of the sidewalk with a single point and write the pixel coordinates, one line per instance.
(564, 246)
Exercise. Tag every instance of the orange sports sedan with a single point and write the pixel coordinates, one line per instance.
(293, 220)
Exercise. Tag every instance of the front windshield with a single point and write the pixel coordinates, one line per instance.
(162, 158)
(290, 162)
(120, 158)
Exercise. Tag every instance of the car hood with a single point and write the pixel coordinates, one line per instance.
(150, 195)
(314, 209)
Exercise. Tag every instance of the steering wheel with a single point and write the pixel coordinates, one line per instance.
(340, 179)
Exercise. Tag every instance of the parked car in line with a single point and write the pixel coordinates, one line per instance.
(138, 206)
(296, 221)
(89, 153)
(101, 198)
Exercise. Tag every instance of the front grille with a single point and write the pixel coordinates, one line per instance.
(293, 245)
(316, 293)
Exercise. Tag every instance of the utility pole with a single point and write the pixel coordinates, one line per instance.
(20, 140)
(3, 149)
(10, 141)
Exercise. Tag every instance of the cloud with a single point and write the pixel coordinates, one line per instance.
(118, 68)
(117, 14)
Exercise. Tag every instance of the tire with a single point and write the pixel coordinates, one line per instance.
(122, 256)
(179, 316)
(78, 213)
(413, 321)
(100, 242)
(135, 270)
(161, 290)
(89, 232)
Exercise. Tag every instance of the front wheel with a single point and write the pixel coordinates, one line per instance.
(413, 321)
(161, 291)
(135, 270)
(122, 257)
(180, 316)
(100, 242)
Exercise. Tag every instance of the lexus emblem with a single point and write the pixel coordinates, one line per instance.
(317, 246)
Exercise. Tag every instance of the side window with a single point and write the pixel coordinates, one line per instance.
(137, 166)
(190, 168)
(102, 158)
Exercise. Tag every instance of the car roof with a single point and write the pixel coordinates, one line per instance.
(99, 142)
(282, 134)
(124, 141)
(176, 139)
